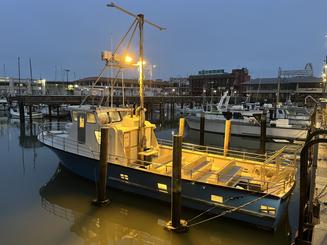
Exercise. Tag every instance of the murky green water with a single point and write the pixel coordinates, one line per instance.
(42, 203)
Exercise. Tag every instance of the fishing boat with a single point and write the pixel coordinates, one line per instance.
(209, 178)
(252, 188)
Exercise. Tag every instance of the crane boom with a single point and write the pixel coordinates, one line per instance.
(134, 15)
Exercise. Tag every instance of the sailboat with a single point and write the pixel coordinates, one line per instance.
(253, 188)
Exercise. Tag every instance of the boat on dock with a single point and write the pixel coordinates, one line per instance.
(253, 188)
(208, 177)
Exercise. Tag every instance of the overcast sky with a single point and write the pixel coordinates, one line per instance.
(261, 35)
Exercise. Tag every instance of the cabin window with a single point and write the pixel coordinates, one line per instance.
(90, 118)
(268, 210)
(114, 116)
(123, 113)
(81, 122)
(162, 187)
(124, 176)
(216, 198)
(74, 116)
(98, 136)
(103, 118)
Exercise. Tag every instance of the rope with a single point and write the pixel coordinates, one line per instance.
(322, 192)
(232, 210)
(215, 206)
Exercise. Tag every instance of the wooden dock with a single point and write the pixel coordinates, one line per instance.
(319, 236)
(77, 99)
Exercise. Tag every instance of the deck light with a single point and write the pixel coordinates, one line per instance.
(128, 59)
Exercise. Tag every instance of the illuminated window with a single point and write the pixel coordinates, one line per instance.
(81, 122)
(268, 210)
(216, 198)
(162, 187)
(74, 116)
(90, 118)
(124, 177)
(98, 136)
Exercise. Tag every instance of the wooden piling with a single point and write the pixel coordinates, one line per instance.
(31, 119)
(21, 113)
(202, 124)
(263, 133)
(50, 114)
(102, 199)
(181, 126)
(227, 132)
(176, 224)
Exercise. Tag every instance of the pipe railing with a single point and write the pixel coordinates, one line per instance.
(54, 139)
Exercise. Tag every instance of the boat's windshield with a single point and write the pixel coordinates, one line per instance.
(109, 117)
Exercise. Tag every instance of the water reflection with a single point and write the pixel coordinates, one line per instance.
(132, 219)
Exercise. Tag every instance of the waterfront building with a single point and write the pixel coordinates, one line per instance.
(131, 86)
(10, 86)
(178, 86)
(292, 85)
(215, 82)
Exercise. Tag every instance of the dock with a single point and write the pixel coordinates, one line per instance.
(319, 233)
(320, 230)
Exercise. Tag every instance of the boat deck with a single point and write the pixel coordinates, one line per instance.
(270, 173)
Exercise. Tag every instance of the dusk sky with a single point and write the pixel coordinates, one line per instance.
(260, 35)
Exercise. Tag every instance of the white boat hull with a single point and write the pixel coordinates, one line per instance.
(245, 129)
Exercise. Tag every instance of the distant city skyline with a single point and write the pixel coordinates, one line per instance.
(70, 35)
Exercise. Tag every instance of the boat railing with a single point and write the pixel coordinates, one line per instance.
(220, 151)
(52, 134)
(280, 181)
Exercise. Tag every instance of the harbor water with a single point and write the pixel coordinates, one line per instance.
(43, 203)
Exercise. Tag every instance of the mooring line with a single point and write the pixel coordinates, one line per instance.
(231, 210)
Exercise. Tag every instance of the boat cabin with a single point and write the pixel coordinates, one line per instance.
(123, 125)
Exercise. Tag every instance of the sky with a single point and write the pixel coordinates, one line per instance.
(260, 35)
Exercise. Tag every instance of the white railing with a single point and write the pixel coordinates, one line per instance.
(275, 160)
(220, 151)
(52, 134)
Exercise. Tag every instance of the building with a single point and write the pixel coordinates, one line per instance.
(14, 86)
(215, 82)
(179, 86)
(291, 84)
(131, 86)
